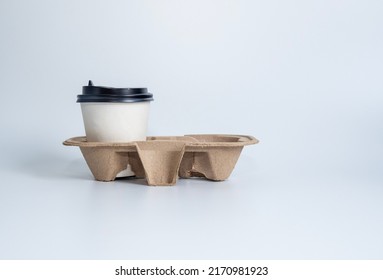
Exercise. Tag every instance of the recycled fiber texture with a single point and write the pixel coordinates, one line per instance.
(162, 159)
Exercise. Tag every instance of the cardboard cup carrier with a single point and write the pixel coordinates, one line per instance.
(162, 159)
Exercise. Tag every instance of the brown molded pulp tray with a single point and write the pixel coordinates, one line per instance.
(161, 159)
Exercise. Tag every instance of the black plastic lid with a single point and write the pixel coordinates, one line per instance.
(91, 93)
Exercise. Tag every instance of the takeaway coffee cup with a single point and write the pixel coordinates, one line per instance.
(114, 114)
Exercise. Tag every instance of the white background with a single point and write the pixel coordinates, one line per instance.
(305, 77)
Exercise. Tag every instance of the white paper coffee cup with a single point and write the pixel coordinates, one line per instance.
(115, 114)
(115, 122)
